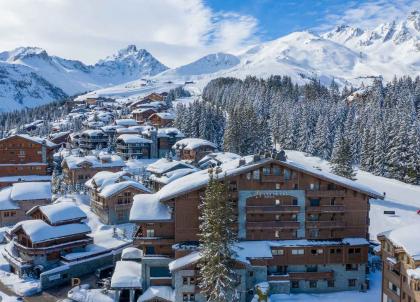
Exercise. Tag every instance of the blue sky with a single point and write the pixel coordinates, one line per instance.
(279, 17)
(177, 31)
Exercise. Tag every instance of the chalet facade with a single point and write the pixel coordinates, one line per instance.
(26, 155)
(302, 230)
(93, 139)
(37, 245)
(165, 139)
(162, 119)
(142, 115)
(78, 169)
(19, 198)
(193, 149)
(400, 253)
(111, 195)
(133, 146)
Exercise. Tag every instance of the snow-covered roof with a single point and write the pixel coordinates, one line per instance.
(35, 139)
(93, 132)
(170, 176)
(60, 212)
(414, 273)
(133, 139)
(126, 122)
(103, 161)
(164, 165)
(131, 253)
(113, 189)
(193, 143)
(168, 132)
(143, 110)
(261, 249)
(191, 258)
(154, 293)
(128, 130)
(111, 128)
(5, 202)
(40, 231)
(407, 237)
(109, 183)
(165, 115)
(31, 191)
(200, 179)
(147, 207)
(127, 274)
(216, 158)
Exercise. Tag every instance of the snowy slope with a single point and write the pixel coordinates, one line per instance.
(30, 77)
(209, 64)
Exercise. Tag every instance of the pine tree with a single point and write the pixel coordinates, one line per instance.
(217, 277)
(342, 160)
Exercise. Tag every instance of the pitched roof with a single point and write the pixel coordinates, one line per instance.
(31, 191)
(127, 274)
(40, 231)
(35, 139)
(147, 207)
(60, 212)
(193, 143)
(158, 292)
(103, 161)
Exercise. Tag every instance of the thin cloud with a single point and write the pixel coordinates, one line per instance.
(175, 31)
(369, 14)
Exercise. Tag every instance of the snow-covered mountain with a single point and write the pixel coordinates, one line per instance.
(30, 77)
(209, 64)
(347, 54)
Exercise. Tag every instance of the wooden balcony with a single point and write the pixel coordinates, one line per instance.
(276, 209)
(325, 224)
(52, 248)
(326, 209)
(296, 276)
(325, 193)
(123, 206)
(276, 178)
(153, 240)
(264, 225)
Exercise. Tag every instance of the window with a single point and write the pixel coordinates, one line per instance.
(330, 283)
(314, 186)
(150, 250)
(313, 284)
(298, 252)
(352, 282)
(248, 176)
(256, 174)
(394, 288)
(313, 217)
(276, 171)
(277, 217)
(150, 233)
(21, 152)
(188, 280)
(312, 268)
(295, 202)
(357, 250)
(277, 186)
(286, 174)
(159, 271)
(188, 297)
(277, 234)
(266, 170)
(351, 267)
(294, 217)
(277, 202)
(317, 251)
(295, 284)
(277, 252)
(351, 251)
(314, 233)
(314, 202)
(332, 201)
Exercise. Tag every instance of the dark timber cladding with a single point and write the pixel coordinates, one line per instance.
(276, 201)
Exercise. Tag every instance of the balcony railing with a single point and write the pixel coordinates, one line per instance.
(272, 209)
(273, 225)
(325, 224)
(295, 276)
(52, 248)
(326, 209)
(325, 193)
(153, 240)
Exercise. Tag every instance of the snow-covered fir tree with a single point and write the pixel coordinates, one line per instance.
(217, 236)
(341, 161)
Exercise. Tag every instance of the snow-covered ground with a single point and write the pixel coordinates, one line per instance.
(400, 197)
(84, 294)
